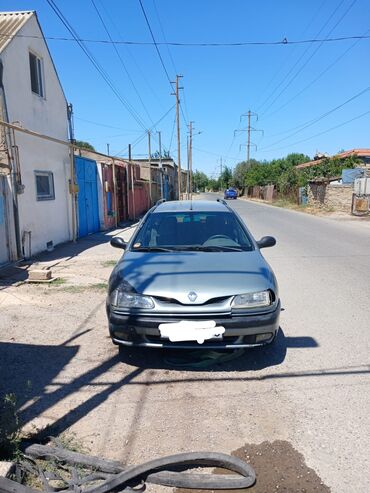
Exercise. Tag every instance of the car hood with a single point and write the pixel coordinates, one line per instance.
(208, 274)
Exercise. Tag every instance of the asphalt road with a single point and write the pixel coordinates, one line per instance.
(322, 388)
(310, 391)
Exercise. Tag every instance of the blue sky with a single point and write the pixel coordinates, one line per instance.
(220, 83)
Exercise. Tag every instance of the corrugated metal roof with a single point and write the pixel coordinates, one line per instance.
(10, 24)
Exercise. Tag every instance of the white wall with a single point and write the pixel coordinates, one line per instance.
(48, 220)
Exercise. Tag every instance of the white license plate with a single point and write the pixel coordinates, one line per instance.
(188, 330)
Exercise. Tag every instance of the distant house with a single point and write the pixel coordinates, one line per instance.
(35, 204)
(362, 154)
(336, 192)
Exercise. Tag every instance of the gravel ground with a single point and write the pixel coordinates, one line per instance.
(310, 391)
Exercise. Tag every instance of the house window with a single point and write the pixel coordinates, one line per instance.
(37, 84)
(44, 185)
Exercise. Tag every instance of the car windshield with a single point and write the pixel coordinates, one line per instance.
(198, 231)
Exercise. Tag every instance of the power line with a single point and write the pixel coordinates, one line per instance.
(140, 138)
(282, 65)
(311, 56)
(315, 120)
(316, 78)
(323, 132)
(121, 60)
(185, 118)
(155, 43)
(134, 59)
(159, 53)
(283, 42)
(301, 57)
(95, 63)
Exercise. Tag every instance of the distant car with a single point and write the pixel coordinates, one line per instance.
(192, 276)
(230, 193)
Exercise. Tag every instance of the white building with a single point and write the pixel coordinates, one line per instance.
(37, 188)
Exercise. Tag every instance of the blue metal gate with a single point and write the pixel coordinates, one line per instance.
(88, 208)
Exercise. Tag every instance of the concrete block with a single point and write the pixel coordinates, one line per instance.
(39, 275)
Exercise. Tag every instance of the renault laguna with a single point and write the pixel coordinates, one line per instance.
(193, 276)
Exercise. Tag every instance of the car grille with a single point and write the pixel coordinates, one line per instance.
(173, 301)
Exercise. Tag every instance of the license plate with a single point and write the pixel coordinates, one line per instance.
(188, 330)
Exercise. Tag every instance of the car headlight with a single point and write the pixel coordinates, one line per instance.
(252, 300)
(122, 299)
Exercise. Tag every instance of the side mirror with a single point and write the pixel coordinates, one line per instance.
(118, 242)
(266, 241)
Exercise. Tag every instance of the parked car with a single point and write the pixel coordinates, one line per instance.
(193, 276)
(230, 193)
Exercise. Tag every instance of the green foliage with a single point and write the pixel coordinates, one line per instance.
(9, 428)
(165, 154)
(200, 181)
(213, 185)
(225, 177)
(329, 168)
(278, 172)
(84, 145)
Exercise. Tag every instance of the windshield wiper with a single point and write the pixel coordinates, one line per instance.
(152, 249)
(213, 248)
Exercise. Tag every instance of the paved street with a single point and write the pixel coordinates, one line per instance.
(311, 389)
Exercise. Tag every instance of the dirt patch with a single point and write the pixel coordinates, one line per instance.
(279, 468)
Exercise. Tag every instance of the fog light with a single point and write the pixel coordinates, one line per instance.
(263, 337)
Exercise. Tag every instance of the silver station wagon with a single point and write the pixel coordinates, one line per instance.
(192, 276)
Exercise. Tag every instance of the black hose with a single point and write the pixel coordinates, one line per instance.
(246, 478)
(164, 471)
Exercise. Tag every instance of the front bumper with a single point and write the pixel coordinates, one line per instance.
(241, 331)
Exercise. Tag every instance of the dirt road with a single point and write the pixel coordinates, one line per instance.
(309, 394)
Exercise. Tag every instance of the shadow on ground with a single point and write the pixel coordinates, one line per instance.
(18, 272)
(249, 359)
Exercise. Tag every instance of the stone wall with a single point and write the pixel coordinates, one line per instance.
(335, 197)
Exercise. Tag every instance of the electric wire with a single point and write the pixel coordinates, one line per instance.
(133, 58)
(155, 44)
(282, 65)
(159, 53)
(323, 72)
(283, 42)
(309, 58)
(315, 120)
(141, 137)
(121, 60)
(95, 63)
(322, 133)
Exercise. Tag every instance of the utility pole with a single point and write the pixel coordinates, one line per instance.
(150, 169)
(221, 170)
(108, 149)
(160, 161)
(178, 133)
(249, 138)
(249, 129)
(190, 171)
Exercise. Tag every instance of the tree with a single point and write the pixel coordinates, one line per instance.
(225, 177)
(84, 145)
(200, 181)
(165, 154)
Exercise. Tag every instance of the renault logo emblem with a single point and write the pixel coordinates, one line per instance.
(192, 296)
